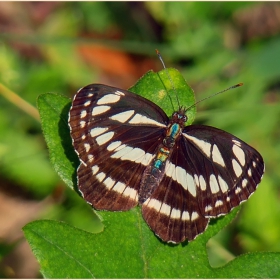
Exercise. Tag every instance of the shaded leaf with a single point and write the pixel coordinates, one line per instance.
(54, 110)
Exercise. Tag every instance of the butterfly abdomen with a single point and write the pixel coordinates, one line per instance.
(153, 174)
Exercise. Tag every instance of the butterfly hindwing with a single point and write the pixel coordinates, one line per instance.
(172, 212)
(225, 169)
(208, 173)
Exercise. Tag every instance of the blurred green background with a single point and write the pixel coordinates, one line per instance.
(59, 47)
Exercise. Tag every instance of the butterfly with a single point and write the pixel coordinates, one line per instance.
(131, 153)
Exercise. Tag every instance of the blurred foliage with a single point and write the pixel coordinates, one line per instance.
(59, 47)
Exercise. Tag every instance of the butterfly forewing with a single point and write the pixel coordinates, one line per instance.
(131, 153)
(115, 141)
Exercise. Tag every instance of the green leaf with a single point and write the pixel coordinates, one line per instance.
(127, 248)
(253, 265)
(53, 109)
(23, 160)
(165, 85)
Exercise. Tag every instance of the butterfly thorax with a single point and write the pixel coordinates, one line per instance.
(154, 172)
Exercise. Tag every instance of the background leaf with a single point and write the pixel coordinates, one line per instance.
(160, 88)
(54, 110)
(128, 249)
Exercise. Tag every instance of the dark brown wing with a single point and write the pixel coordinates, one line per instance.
(115, 134)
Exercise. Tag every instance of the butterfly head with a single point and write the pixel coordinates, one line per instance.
(179, 117)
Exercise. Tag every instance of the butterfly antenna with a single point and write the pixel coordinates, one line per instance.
(232, 87)
(162, 62)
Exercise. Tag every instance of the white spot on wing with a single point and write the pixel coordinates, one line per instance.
(174, 178)
(196, 180)
(94, 169)
(191, 184)
(82, 124)
(102, 139)
(129, 153)
(194, 216)
(169, 169)
(165, 209)
(181, 177)
(108, 99)
(83, 114)
(100, 110)
(218, 203)
(244, 183)
(130, 192)
(90, 158)
(153, 203)
(250, 172)
(185, 216)
(119, 187)
(147, 159)
(214, 184)
(121, 152)
(236, 167)
(114, 145)
(120, 147)
(97, 131)
(87, 147)
(100, 176)
(204, 146)
(119, 93)
(175, 214)
(134, 155)
(202, 183)
(140, 119)
(123, 116)
(238, 190)
(143, 157)
(109, 183)
(240, 155)
(88, 102)
(236, 142)
(217, 157)
(223, 184)
(208, 208)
